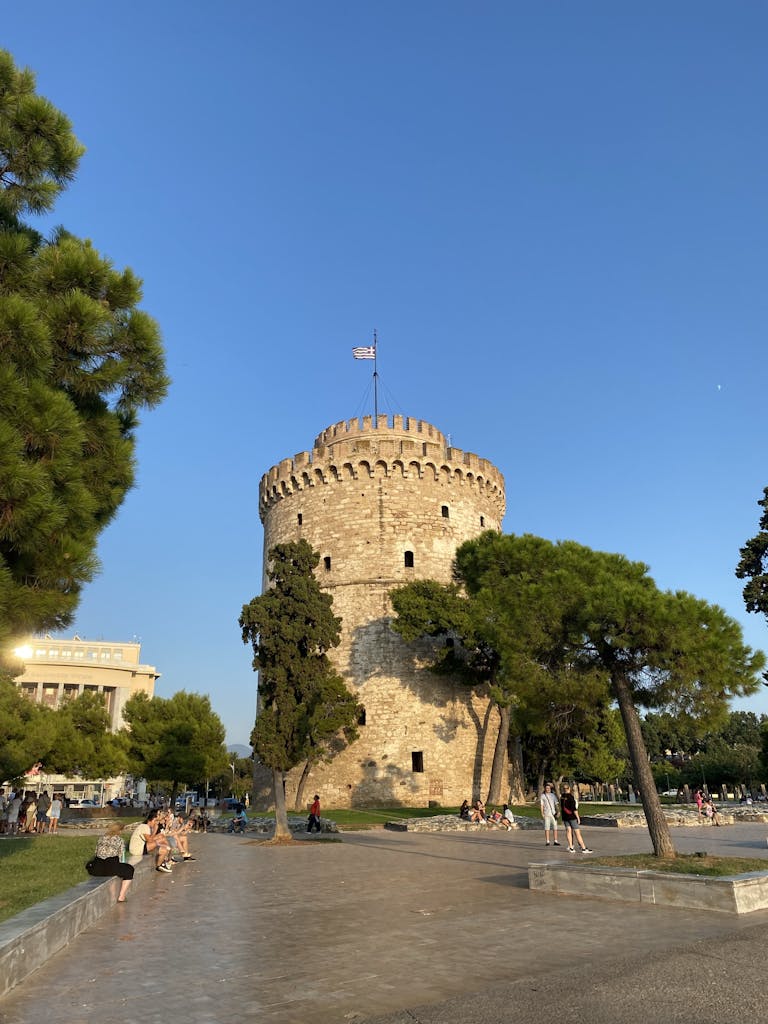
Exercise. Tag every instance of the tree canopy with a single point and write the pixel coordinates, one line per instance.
(303, 702)
(78, 362)
(552, 609)
(753, 564)
(174, 740)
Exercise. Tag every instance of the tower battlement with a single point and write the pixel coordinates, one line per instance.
(355, 450)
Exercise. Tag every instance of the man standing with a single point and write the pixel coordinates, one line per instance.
(43, 806)
(314, 815)
(572, 821)
(548, 804)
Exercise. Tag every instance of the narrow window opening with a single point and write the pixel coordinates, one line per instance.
(444, 512)
(482, 520)
(300, 518)
(417, 761)
(361, 717)
(327, 563)
(408, 559)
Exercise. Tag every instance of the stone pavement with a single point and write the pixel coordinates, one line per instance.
(402, 927)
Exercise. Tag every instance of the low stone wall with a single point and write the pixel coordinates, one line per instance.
(453, 823)
(737, 894)
(30, 938)
(631, 818)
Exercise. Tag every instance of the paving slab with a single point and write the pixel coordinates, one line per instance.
(397, 927)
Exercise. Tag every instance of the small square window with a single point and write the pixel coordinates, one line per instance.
(444, 512)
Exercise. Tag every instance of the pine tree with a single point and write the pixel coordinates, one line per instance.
(291, 628)
(78, 361)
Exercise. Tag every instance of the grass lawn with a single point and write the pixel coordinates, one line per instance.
(683, 864)
(36, 867)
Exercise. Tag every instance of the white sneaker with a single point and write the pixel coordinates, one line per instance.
(571, 849)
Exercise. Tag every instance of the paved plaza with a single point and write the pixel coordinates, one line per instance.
(402, 927)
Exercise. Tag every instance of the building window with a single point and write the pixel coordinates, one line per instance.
(327, 563)
(482, 520)
(92, 654)
(408, 560)
(361, 717)
(444, 512)
(79, 652)
(117, 654)
(417, 761)
(53, 652)
(299, 518)
(40, 652)
(105, 655)
(66, 653)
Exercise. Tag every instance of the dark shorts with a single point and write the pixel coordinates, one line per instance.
(105, 867)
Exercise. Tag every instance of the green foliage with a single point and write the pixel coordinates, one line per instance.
(175, 740)
(78, 361)
(38, 152)
(84, 744)
(28, 732)
(303, 703)
(753, 564)
(568, 608)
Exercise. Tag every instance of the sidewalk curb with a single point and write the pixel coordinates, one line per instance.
(30, 938)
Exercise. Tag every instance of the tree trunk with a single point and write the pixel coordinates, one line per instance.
(638, 755)
(281, 814)
(516, 773)
(297, 804)
(499, 758)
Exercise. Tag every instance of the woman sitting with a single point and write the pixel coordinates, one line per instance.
(478, 812)
(108, 860)
(464, 811)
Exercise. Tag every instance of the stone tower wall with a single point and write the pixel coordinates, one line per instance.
(364, 497)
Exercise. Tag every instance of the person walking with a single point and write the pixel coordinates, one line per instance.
(314, 815)
(572, 821)
(548, 804)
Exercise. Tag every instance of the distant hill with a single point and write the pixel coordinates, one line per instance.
(239, 749)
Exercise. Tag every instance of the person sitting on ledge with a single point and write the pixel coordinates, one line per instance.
(464, 811)
(147, 838)
(478, 812)
(240, 820)
(108, 860)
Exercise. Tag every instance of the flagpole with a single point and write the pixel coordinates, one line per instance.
(375, 384)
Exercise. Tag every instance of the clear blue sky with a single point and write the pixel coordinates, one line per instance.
(555, 216)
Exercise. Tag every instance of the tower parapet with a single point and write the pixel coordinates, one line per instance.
(356, 450)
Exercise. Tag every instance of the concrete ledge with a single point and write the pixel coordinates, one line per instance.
(735, 894)
(31, 937)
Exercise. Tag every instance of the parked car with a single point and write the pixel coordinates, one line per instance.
(84, 803)
(231, 803)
